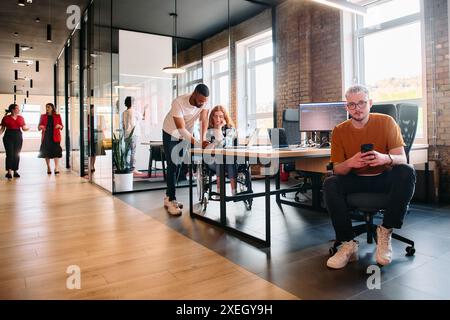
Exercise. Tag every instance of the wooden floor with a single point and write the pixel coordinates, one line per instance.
(49, 223)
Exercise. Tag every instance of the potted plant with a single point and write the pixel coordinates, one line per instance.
(121, 148)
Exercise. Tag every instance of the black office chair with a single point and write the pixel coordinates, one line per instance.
(388, 109)
(365, 206)
(290, 123)
(156, 154)
(408, 116)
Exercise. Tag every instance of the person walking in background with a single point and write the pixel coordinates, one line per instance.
(14, 124)
(51, 125)
(130, 120)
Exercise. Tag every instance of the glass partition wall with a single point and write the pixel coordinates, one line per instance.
(113, 58)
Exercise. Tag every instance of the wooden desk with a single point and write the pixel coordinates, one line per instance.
(417, 155)
(270, 159)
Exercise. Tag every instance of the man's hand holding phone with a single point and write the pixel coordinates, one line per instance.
(371, 157)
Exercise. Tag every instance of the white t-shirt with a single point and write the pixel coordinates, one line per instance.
(130, 119)
(181, 108)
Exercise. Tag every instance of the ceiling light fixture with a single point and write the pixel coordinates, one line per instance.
(23, 61)
(174, 68)
(31, 83)
(17, 53)
(25, 48)
(37, 20)
(30, 1)
(21, 3)
(37, 65)
(344, 5)
(16, 34)
(15, 88)
(28, 94)
(16, 74)
(49, 33)
(49, 25)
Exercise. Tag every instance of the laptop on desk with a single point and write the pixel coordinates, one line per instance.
(278, 139)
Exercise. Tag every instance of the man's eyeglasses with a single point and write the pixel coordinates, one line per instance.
(352, 106)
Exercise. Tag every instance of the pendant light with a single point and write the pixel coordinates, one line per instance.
(174, 68)
(31, 83)
(16, 75)
(37, 65)
(17, 53)
(21, 3)
(49, 25)
(28, 94)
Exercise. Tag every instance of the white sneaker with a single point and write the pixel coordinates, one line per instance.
(173, 209)
(384, 245)
(346, 253)
(166, 203)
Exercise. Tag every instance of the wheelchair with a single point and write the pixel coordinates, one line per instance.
(205, 180)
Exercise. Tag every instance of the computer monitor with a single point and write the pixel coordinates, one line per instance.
(322, 116)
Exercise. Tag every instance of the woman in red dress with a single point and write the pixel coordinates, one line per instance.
(51, 125)
(14, 124)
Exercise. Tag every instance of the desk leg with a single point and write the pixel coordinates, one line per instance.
(223, 207)
(191, 201)
(316, 187)
(427, 182)
(267, 180)
(277, 187)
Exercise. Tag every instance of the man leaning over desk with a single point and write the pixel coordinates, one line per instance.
(178, 127)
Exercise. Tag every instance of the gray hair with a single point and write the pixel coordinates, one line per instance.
(357, 88)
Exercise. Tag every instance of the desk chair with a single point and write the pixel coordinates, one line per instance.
(408, 115)
(156, 154)
(365, 206)
(388, 109)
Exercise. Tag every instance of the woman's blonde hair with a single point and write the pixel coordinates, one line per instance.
(226, 115)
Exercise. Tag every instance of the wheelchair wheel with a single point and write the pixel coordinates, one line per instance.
(248, 204)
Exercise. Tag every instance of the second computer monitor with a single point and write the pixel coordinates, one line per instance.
(322, 116)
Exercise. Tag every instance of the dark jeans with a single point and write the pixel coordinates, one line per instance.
(173, 161)
(398, 183)
(12, 140)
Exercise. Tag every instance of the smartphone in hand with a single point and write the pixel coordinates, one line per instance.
(366, 147)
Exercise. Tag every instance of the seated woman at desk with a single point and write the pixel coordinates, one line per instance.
(221, 133)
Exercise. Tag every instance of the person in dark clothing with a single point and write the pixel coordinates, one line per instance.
(51, 125)
(14, 124)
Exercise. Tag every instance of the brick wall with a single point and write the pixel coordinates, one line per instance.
(437, 75)
(309, 55)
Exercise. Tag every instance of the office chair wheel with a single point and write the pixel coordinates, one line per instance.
(410, 251)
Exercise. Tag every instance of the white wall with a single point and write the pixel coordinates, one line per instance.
(141, 60)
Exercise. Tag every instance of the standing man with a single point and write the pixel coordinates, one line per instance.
(131, 124)
(177, 127)
(382, 170)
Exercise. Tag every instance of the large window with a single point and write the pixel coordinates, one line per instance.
(389, 42)
(255, 82)
(192, 77)
(217, 77)
(31, 113)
